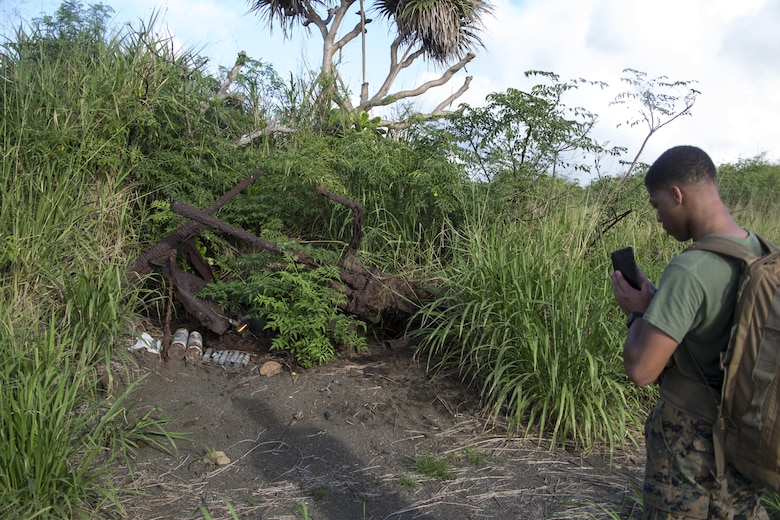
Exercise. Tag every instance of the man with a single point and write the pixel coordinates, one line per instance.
(676, 334)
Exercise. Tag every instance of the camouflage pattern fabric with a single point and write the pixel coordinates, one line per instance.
(679, 473)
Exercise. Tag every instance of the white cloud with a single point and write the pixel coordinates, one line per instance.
(728, 48)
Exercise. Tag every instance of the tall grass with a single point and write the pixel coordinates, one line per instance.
(528, 317)
(66, 233)
(58, 432)
(764, 221)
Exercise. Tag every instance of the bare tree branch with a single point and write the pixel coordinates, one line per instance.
(272, 128)
(351, 35)
(312, 16)
(455, 95)
(437, 112)
(395, 69)
(231, 76)
(330, 47)
(422, 89)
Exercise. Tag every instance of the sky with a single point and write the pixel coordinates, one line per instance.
(729, 50)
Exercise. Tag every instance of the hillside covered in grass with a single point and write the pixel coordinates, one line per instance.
(103, 128)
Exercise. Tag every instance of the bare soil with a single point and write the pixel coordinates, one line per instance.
(370, 436)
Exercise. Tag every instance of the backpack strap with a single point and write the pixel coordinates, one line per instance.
(724, 246)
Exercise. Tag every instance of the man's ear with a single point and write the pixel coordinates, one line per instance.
(677, 194)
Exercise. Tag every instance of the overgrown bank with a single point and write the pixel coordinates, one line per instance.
(102, 130)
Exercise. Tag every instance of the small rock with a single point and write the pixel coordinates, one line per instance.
(328, 415)
(270, 368)
(217, 457)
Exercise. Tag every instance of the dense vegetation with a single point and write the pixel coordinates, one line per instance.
(103, 129)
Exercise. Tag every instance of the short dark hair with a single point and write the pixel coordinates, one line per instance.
(683, 165)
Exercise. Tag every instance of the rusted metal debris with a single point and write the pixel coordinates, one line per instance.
(371, 294)
(153, 256)
(162, 256)
(186, 286)
(207, 220)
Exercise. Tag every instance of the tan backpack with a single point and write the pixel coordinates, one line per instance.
(747, 434)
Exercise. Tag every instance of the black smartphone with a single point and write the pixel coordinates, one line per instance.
(623, 261)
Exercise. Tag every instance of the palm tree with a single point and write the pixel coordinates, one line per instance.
(445, 31)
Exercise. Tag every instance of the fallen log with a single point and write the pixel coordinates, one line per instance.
(371, 294)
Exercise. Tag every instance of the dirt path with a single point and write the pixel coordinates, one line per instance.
(366, 437)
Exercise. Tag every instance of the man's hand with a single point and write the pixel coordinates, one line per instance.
(647, 349)
(628, 298)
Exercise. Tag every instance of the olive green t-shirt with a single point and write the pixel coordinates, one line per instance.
(694, 305)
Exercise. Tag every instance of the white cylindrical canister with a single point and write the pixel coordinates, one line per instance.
(178, 344)
(194, 350)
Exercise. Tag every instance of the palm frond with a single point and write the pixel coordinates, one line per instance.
(287, 13)
(447, 29)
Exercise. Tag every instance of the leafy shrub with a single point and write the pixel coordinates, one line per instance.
(300, 305)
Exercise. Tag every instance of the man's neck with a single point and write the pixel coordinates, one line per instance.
(723, 225)
(711, 216)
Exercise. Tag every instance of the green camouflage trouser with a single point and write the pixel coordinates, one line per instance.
(680, 472)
